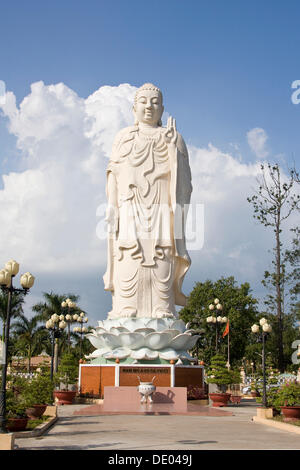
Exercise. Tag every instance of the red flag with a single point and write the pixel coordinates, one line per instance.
(226, 331)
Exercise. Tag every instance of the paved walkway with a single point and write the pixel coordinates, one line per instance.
(140, 432)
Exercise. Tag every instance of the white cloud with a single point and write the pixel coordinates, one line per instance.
(257, 139)
(48, 205)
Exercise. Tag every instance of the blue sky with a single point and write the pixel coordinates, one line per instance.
(225, 67)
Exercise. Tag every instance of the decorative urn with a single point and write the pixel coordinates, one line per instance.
(146, 389)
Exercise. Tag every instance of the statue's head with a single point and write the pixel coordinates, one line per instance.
(148, 105)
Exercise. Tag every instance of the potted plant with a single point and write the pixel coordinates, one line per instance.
(220, 375)
(16, 418)
(67, 375)
(235, 396)
(38, 394)
(288, 399)
(195, 392)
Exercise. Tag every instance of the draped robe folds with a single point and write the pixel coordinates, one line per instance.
(148, 190)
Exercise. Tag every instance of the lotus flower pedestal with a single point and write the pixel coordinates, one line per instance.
(134, 340)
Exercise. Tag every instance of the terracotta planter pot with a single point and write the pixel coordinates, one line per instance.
(35, 411)
(16, 424)
(290, 413)
(235, 399)
(64, 397)
(219, 399)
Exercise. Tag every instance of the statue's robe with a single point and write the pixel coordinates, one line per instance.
(148, 190)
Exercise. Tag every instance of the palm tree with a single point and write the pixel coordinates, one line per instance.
(31, 335)
(52, 305)
(16, 308)
(49, 307)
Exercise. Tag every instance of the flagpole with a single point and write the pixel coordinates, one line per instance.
(228, 349)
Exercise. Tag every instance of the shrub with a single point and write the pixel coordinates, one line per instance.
(288, 395)
(67, 370)
(219, 374)
(15, 406)
(40, 390)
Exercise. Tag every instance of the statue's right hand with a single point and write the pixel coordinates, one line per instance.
(170, 133)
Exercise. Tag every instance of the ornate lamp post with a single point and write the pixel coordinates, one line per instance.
(262, 330)
(81, 329)
(6, 282)
(216, 320)
(68, 317)
(55, 325)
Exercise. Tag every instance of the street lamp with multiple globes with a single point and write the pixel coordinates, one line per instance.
(69, 304)
(216, 320)
(81, 329)
(262, 330)
(6, 282)
(56, 324)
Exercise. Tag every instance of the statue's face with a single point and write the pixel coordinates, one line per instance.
(148, 108)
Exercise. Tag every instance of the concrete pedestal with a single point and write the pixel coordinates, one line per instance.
(118, 399)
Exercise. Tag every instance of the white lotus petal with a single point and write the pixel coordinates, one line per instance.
(133, 323)
(100, 329)
(168, 354)
(157, 340)
(110, 340)
(185, 355)
(132, 340)
(120, 353)
(109, 355)
(145, 354)
(116, 330)
(183, 342)
(99, 352)
(189, 332)
(109, 323)
(179, 325)
(172, 333)
(158, 324)
(97, 342)
(145, 331)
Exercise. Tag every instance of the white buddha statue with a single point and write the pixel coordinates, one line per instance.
(148, 188)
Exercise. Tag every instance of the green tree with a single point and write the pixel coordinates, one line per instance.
(68, 370)
(16, 308)
(30, 336)
(218, 374)
(273, 204)
(239, 306)
(52, 305)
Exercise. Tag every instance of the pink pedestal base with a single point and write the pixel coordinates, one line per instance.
(120, 399)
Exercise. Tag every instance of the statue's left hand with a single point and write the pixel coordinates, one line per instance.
(170, 133)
